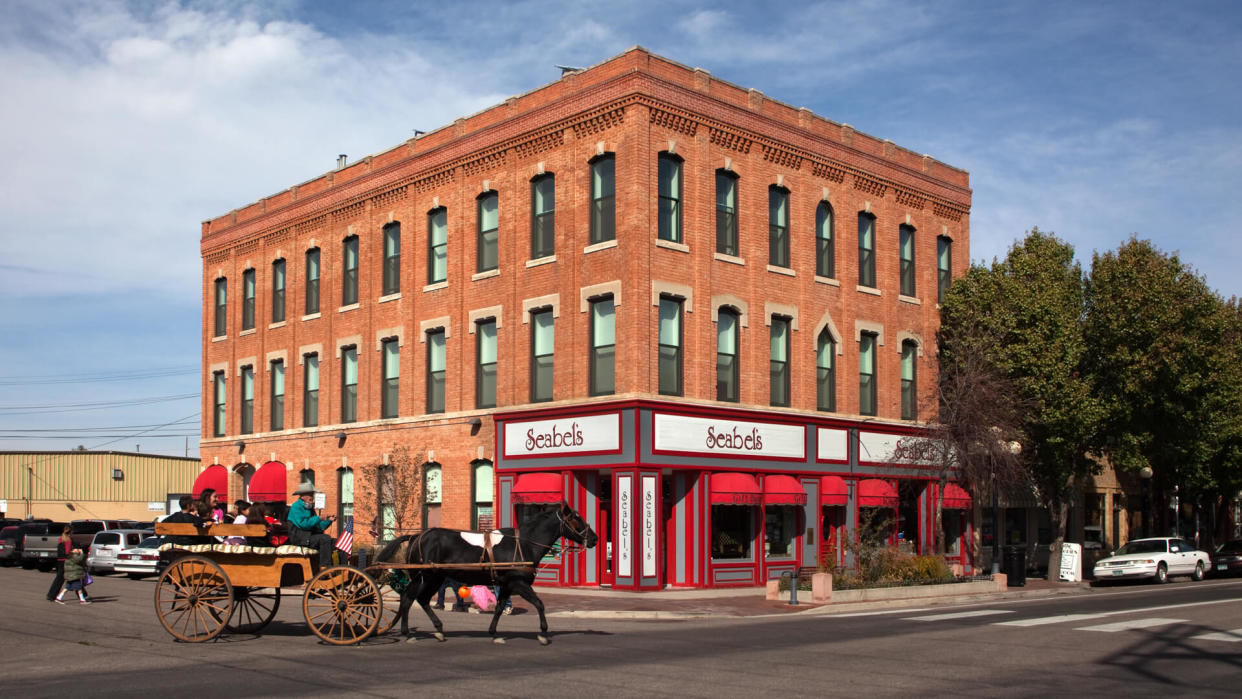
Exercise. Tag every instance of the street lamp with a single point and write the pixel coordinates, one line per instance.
(1014, 448)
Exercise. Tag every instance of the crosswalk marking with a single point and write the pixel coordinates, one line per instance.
(1130, 624)
(1229, 636)
(1040, 621)
(959, 615)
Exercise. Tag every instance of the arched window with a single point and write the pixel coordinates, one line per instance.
(349, 271)
(727, 373)
(392, 259)
(437, 245)
(484, 517)
(726, 213)
(825, 372)
(432, 495)
(825, 262)
(906, 248)
(944, 265)
(909, 380)
(312, 281)
(487, 255)
(866, 249)
(778, 226)
(543, 216)
(345, 493)
(866, 374)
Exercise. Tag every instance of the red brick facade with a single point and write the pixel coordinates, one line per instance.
(635, 106)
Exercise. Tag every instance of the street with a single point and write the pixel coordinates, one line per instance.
(1182, 638)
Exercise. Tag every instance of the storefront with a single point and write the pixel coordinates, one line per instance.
(696, 496)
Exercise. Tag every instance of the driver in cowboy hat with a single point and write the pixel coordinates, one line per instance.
(306, 528)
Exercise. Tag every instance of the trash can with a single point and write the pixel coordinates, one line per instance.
(1015, 565)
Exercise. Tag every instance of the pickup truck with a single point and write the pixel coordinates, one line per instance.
(11, 537)
(39, 544)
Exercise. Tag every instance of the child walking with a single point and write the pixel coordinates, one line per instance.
(75, 576)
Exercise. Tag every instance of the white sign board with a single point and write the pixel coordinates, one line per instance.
(730, 437)
(1071, 563)
(571, 435)
(156, 506)
(649, 526)
(321, 501)
(832, 445)
(881, 448)
(4, 505)
(625, 543)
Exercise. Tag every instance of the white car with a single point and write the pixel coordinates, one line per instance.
(143, 559)
(1156, 558)
(108, 544)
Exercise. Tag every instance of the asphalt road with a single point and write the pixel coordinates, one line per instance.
(1182, 638)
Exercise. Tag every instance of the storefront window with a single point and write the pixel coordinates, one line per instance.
(951, 522)
(1093, 519)
(780, 526)
(732, 532)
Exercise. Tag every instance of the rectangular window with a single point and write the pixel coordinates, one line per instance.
(487, 255)
(435, 371)
(726, 356)
(909, 381)
(825, 373)
(222, 307)
(944, 263)
(276, 399)
(866, 250)
(278, 291)
(349, 271)
(603, 199)
(437, 246)
(778, 227)
(778, 371)
(345, 489)
(391, 359)
(670, 347)
(825, 264)
(485, 373)
(248, 300)
(603, 347)
(541, 348)
(386, 489)
(906, 245)
(484, 518)
(392, 259)
(780, 529)
(312, 281)
(218, 415)
(669, 198)
(733, 532)
(310, 390)
(726, 213)
(247, 400)
(866, 374)
(543, 217)
(349, 384)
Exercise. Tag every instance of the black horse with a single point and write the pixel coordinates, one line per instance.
(447, 547)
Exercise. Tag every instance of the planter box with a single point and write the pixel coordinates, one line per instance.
(917, 591)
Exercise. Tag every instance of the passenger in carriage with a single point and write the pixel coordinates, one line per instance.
(186, 516)
(241, 509)
(261, 513)
(306, 528)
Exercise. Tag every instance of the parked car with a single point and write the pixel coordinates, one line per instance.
(39, 543)
(1155, 558)
(104, 549)
(143, 559)
(1226, 559)
(10, 545)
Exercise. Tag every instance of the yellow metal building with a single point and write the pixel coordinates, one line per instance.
(68, 485)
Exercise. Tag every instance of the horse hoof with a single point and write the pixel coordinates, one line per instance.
(498, 641)
(543, 640)
(439, 637)
(411, 639)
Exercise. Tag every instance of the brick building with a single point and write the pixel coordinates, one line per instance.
(702, 317)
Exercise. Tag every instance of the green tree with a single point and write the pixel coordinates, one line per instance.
(1025, 315)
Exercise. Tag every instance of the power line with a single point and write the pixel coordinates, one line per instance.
(96, 378)
(95, 405)
(193, 419)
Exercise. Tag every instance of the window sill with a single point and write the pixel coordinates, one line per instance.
(729, 258)
(549, 259)
(435, 287)
(782, 270)
(869, 290)
(670, 245)
(219, 338)
(909, 299)
(277, 324)
(390, 297)
(485, 275)
(310, 316)
(827, 280)
(244, 333)
(596, 247)
(346, 309)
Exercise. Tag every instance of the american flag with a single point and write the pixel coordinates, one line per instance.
(345, 541)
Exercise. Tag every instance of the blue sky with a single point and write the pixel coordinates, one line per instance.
(124, 125)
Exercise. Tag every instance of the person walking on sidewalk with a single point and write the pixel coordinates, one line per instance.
(63, 546)
(75, 576)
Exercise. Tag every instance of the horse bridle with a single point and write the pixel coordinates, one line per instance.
(580, 533)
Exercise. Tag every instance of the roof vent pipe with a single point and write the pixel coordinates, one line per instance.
(341, 160)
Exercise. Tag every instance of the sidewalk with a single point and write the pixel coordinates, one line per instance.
(748, 602)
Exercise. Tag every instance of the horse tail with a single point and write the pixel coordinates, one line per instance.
(392, 547)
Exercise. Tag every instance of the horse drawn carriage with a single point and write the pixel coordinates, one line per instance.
(210, 588)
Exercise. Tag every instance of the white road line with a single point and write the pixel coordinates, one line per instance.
(1040, 621)
(1130, 624)
(959, 615)
(1229, 636)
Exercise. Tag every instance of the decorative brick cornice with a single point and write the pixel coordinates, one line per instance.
(870, 185)
(781, 156)
(391, 196)
(827, 172)
(730, 138)
(600, 122)
(909, 199)
(539, 144)
(681, 123)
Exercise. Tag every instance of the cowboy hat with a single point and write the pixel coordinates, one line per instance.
(306, 489)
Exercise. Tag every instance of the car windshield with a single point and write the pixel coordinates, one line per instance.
(1227, 547)
(1147, 546)
(87, 527)
(151, 543)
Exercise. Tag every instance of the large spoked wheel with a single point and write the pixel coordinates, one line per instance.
(253, 608)
(342, 605)
(194, 599)
(391, 600)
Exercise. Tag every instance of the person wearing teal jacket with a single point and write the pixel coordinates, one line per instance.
(306, 528)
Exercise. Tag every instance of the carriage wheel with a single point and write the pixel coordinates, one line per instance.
(391, 600)
(342, 605)
(193, 599)
(253, 608)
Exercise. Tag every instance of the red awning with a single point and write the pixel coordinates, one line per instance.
(874, 492)
(538, 488)
(833, 491)
(735, 489)
(955, 497)
(215, 477)
(268, 483)
(783, 490)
